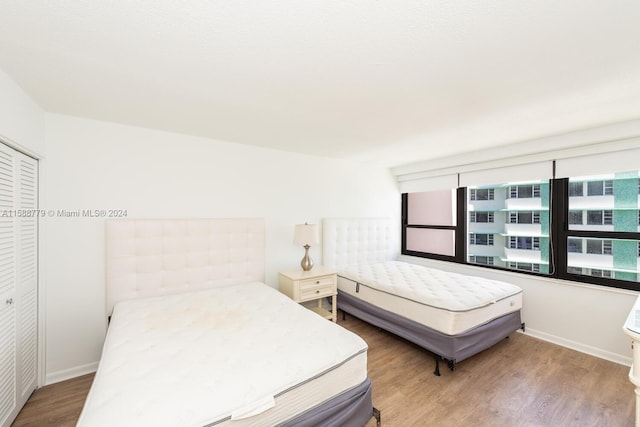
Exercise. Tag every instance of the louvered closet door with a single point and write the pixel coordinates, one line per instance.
(8, 339)
(18, 280)
(26, 275)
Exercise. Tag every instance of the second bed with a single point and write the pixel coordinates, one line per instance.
(454, 316)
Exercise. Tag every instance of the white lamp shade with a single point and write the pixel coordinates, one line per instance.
(306, 234)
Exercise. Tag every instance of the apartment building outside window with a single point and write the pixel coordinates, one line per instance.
(524, 191)
(524, 242)
(481, 194)
(481, 239)
(524, 217)
(481, 216)
(603, 227)
(524, 266)
(600, 188)
(589, 232)
(485, 260)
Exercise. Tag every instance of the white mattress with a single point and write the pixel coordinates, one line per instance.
(239, 355)
(447, 302)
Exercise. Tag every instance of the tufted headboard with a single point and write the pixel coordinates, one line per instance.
(149, 257)
(351, 241)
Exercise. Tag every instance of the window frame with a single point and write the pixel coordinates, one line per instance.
(459, 230)
(559, 233)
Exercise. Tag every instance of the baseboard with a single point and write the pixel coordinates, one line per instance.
(583, 348)
(67, 374)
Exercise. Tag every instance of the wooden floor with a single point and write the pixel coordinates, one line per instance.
(521, 381)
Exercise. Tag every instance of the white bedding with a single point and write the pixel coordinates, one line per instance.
(447, 302)
(238, 355)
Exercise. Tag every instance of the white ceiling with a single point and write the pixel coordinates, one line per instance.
(389, 82)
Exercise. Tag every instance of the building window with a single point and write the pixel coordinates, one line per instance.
(482, 194)
(600, 188)
(481, 239)
(575, 217)
(525, 266)
(524, 191)
(574, 245)
(600, 273)
(481, 217)
(599, 247)
(524, 217)
(576, 189)
(483, 260)
(600, 217)
(523, 242)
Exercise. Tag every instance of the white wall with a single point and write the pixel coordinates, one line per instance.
(21, 118)
(155, 174)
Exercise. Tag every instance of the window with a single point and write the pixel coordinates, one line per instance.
(481, 216)
(524, 191)
(604, 246)
(524, 266)
(514, 209)
(600, 217)
(600, 188)
(430, 224)
(574, 245)
(576, 189)
(577, 236)
(521, 242)
(481, 194)
(600, 273)
(575, 218)
(599, 247)
(524, 217)
(484, 260)
(481, 239)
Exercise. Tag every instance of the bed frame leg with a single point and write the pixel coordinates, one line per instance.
(376, 415)
(437, 371)
(522, 327)
(344, 315)
(452, 364)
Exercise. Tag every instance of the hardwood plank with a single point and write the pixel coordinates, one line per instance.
(521, 381)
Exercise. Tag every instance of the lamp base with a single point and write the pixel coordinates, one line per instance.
(307, 262)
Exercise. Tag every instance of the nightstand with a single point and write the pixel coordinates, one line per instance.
(316, 284)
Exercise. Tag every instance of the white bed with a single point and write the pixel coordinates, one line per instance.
(452, 315)
(196, 339)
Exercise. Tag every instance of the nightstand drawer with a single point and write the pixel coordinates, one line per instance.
(316, 289)
(316, 282)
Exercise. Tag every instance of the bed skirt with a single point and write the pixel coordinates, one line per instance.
(352, 408)
(451, 347)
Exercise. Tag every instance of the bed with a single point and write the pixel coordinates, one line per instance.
(197, 339)
(453, 316)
